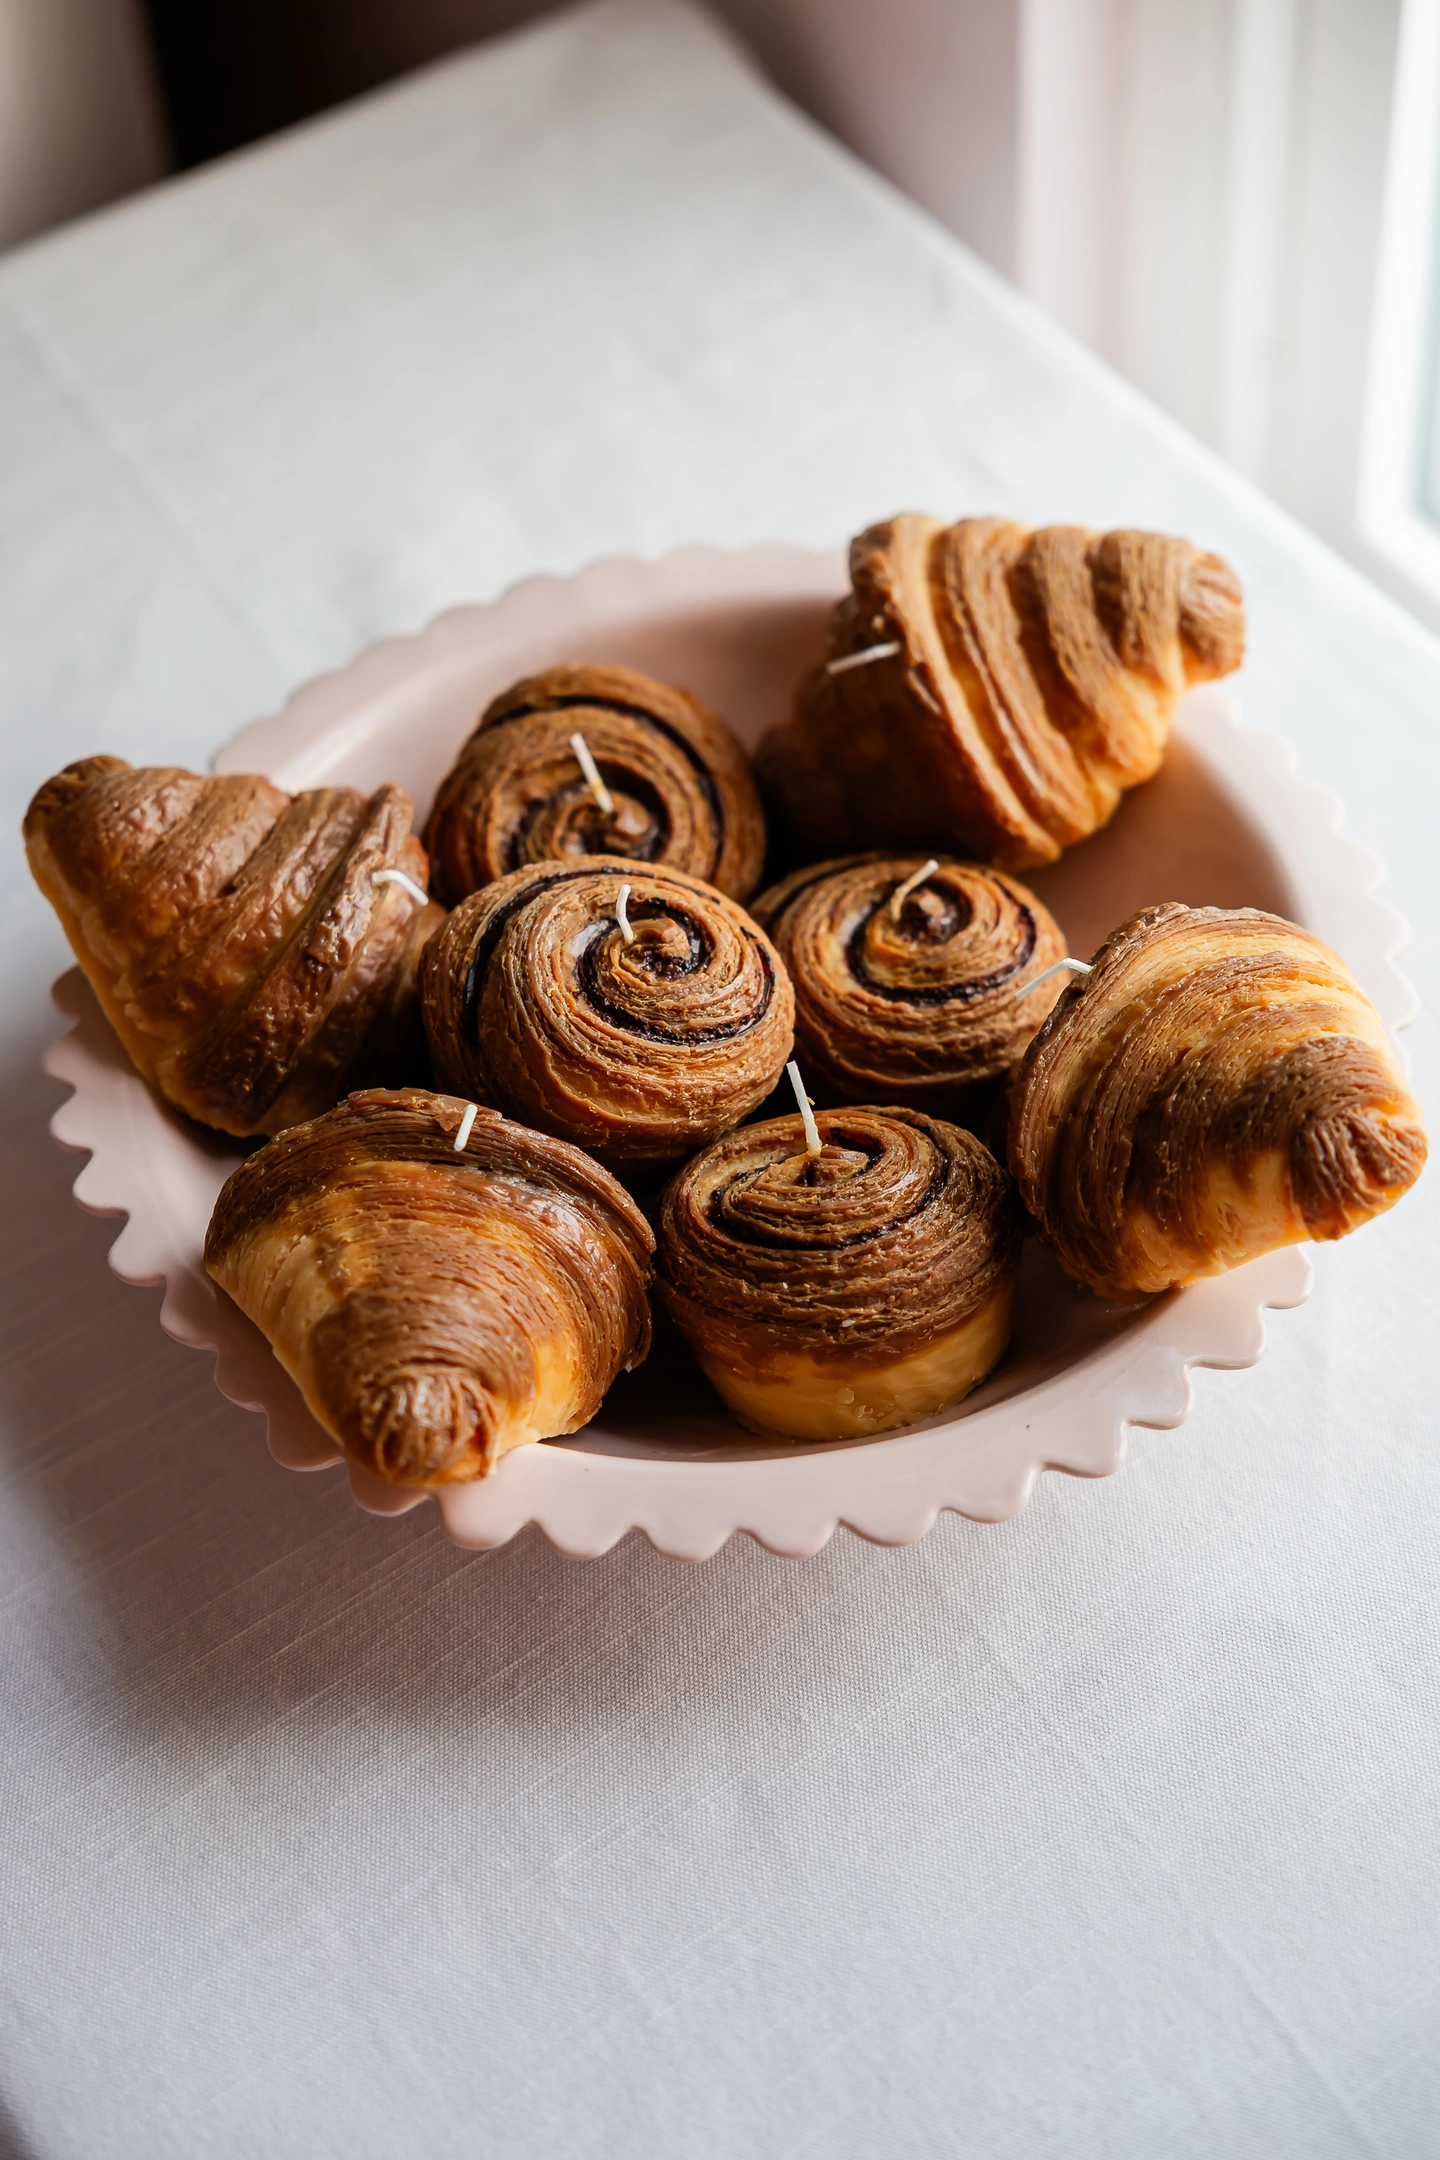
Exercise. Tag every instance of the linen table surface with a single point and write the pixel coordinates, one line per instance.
(1107, 1831)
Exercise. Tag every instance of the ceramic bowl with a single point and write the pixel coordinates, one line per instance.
(1226, 823)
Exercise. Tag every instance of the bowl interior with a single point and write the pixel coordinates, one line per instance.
(403, 711)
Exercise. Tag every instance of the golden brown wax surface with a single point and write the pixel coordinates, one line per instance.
(681, 786)
(641, 1052)
(436, 1308)
(901, 1236)
(1035, 679)
(1218, 1087)
(235, 935)
(915, 1003)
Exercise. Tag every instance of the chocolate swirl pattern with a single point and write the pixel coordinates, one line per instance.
(1218, 1086)
(912, 1002)
(245, 944)
(680, 785)
(1032, 680)
(639, 1051)
(833, 1296)
(436, 1306)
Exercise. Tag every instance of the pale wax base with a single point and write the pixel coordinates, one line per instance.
(801, 1397)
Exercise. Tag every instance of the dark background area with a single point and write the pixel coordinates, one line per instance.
(232, 70)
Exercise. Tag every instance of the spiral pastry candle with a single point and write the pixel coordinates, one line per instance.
(915, 1002)
(678, 784)
(442, 1285)
(1216, 1087)
(828, 1297)
(993, 689)
(639, 1051)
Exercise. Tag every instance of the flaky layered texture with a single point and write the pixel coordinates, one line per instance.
(1034, 680)
(1217, 1087)
(909, 993)
(436, 1308)
(681, 786)
(639, 1052)
(237, 937)
(836, 1295)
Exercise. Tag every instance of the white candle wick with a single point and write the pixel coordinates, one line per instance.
(1076, 967)
(591, 771)
(398, 877)
(862, 659)
(622, 917)
(912, 884)
(465, 1124)
(807, 1115)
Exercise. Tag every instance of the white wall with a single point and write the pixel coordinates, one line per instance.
(1255, 145)
(79, 110)
(926, 90)
(1195, 187)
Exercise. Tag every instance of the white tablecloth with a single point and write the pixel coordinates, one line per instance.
(1110, 1831)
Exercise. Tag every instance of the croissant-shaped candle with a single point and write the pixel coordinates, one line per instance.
(631, 1009)
(254, 951)
(836, 1294)
(674, 786)
(1215, 1087)
(1019, 682)
(442, 1285)
(906, 974)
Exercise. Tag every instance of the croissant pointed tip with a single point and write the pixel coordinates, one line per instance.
(1212, 619)
(425, 1428)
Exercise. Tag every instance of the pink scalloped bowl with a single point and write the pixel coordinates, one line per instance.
(1226, 823)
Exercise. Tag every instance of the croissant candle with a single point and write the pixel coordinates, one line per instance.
(1216, 1086)
(836, 1295)
(255, 952)
(639, 1049)
(661, 780)
(993, 689)
(907, 976)
(438, 1300)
